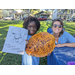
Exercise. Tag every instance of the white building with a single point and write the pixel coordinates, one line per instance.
(4, 13)
(60, 13)
(16, 13)
(55, 13)
(73, 14)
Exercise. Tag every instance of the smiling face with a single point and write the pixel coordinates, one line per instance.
(56, 29)
(32, 28)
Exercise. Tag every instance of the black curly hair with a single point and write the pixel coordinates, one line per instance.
(29, 19)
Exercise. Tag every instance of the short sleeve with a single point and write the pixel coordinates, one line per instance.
(70, 38)
(28, 37)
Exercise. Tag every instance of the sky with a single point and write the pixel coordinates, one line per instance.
(42, 9)
(19, 11)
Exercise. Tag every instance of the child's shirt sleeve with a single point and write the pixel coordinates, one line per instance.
(28, 37)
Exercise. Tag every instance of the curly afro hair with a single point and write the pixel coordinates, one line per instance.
(29, 19)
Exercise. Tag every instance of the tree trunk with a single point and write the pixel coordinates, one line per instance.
(71, 13)
(29, 12)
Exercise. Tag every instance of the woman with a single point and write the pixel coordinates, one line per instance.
(62, 38)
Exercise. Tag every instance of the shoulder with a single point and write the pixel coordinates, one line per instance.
(65, 34)
(69, 37)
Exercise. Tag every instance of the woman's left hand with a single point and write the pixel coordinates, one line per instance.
(59, 45)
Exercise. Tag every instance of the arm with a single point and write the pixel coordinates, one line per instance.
(70, 41)
(66, 44)
(70, 44)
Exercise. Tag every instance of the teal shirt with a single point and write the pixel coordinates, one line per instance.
(65, 38)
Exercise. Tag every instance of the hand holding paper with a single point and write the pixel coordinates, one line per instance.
(15, 41)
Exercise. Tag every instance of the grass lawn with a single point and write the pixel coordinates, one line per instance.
(15, 59)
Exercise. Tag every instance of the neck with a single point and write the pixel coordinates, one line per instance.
(56, 35)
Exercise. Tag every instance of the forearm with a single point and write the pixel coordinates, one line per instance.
(65, 44)
(69, 44)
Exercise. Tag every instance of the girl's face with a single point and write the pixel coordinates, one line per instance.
(32, 28)
(57, 27)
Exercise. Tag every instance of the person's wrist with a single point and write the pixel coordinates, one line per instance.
(64, 44)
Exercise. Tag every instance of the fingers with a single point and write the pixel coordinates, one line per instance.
(26, 42)
(56, 46)
(49, 54)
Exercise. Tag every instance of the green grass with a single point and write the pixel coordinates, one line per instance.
(15, 59)
(70, 27)
(6, 58)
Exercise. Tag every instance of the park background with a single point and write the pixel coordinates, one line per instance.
(14, 59)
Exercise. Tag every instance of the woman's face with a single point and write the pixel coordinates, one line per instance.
(57, 27)
(32, 28)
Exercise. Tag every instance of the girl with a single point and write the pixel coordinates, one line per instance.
(33, 25)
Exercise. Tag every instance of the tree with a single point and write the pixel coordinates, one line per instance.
(32, 11)
(51, 10)
(70, 12)
(27, 11)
